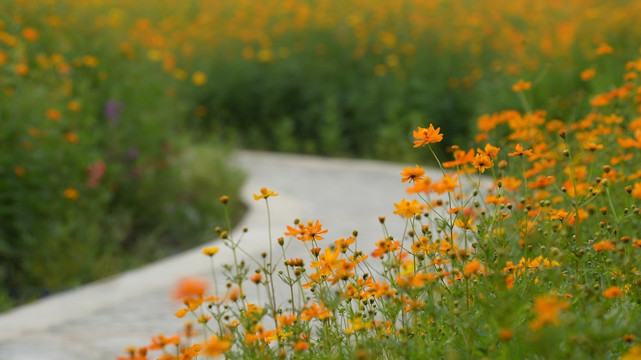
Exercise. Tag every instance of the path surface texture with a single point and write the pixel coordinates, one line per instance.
(97, 321)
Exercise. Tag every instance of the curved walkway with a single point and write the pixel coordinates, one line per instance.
(97, 321)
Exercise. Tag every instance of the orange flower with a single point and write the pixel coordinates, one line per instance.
(190, 352)
(385, 246)
(311, 232)
(215, 346)
(295, 262)
(472, 267)
(511, 183)
(132, 355)
(71, 193)
(612, 292)
(521, 86)
(233, 293)
(509, 281)
(427, 136)
(264, 194)
(482, 161)
(542, 181)
(495, 199)
(21, 69)
(412, 174)
(189, 288)
(636, 192)
(547, 308)
(520, 152)
(422, 185)
(71, 137)
(588, 74)
(603, 49)
(300, 346)
(407, 208)
(30, 34)
(181, 313)
(256, 278)
(600, 100)
(343, 243)
(603, 246)
(631, 143)
(74, 106)
(447, 184)
(460, 158)
(19, 171)
(558, 214)
(328, 261)
(160, 341)
(315, 311)
(592, 146)
(506, 334)
(412, 280)
(492, 151)
(53, 114)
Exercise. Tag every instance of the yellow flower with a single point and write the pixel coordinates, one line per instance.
(74, 106)
(357, 324)
(199, 78)
(265, 193)
(265, 55)
(407, 208)
(210, 251)
(633, 354)
(464, 224)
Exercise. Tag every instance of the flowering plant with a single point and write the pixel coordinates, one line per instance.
(525, 250)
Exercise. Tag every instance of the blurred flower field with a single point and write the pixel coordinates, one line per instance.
(116, 116)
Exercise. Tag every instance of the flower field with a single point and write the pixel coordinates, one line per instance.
(116, 118)
(542, 263)
(99, 172)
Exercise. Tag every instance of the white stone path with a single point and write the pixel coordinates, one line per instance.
(97, 321)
